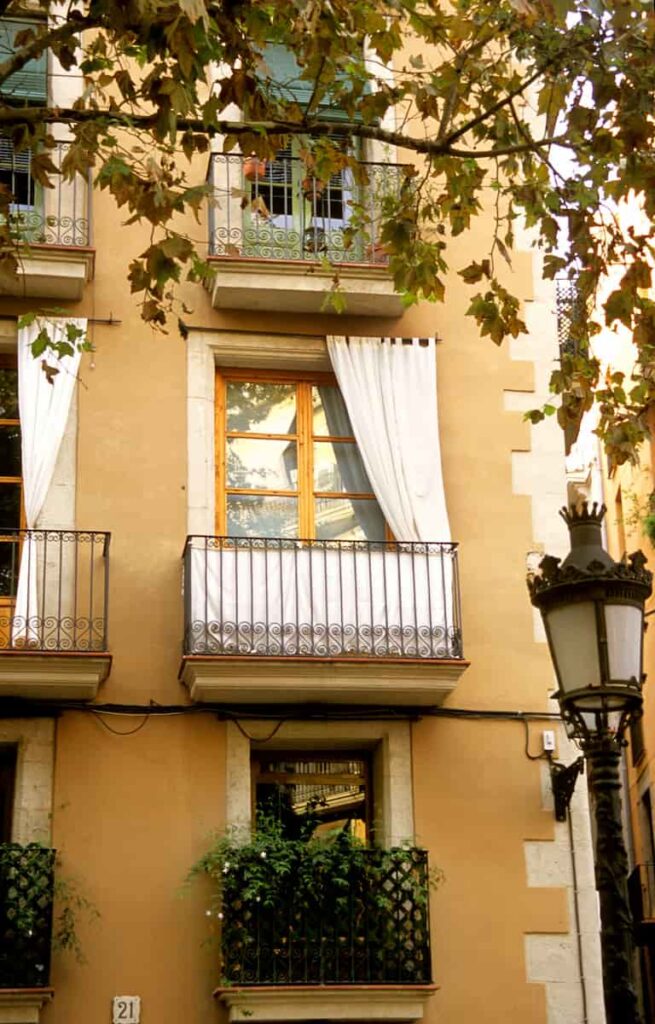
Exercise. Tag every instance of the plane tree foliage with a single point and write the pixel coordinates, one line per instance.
(535, 113)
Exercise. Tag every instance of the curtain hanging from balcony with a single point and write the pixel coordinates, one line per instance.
(389, 386)
(44, 409)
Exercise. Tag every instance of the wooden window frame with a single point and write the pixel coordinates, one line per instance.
(304, 437)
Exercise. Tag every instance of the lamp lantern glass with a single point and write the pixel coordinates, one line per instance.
(593, 613)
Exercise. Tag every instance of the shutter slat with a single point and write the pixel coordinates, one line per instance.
(30, 82)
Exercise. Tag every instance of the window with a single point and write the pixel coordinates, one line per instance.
(288, 463)
(313, 795)
(30, 83)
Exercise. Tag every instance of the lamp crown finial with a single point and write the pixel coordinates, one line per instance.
(576, 515)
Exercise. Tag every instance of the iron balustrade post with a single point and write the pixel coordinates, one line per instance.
(617, 943)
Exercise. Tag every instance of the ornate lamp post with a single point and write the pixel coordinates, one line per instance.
(593, 612)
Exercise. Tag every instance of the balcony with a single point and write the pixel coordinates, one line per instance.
(26, 895)
(288, 621)
(276, 236)
(330, 948)
(53, 225)
(53, 613)
(641, 892)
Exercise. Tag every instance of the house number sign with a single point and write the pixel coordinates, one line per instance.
(127, 1010)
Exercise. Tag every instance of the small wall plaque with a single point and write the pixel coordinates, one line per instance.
(127, 1010)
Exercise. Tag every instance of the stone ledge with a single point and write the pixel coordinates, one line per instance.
(402, 1004)
(23, 1005)
(289, 680)
(59, 675)
(52, 272)
(301, 287)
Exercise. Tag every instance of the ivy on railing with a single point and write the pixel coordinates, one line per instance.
(319, 911)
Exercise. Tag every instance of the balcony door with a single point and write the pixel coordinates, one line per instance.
(292, 215)
(288, 465)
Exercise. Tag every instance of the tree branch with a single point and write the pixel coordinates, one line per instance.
(66, 115)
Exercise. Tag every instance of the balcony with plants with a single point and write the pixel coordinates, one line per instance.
(26, 899)
(278, 234)
(320, 919)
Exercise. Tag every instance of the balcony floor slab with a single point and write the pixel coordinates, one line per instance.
(23, 1005)
(51, 272)
(293, 680)
(301, 287)
(58, 675)
(399, 1003)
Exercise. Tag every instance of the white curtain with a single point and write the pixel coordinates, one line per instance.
(389, 386)
(44, 409)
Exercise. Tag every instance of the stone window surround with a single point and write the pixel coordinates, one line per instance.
(35, 740)
(389, 742)
(205, 351)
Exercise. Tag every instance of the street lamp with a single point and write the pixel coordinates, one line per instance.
(593, 613)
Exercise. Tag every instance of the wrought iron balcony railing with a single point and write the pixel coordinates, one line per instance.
(369, 928)
(321, 599)
(46, 216)
(54, 588)
(641, 892)
(26, 894)
(270, 210)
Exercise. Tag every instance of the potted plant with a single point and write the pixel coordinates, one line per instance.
(253, 167)
(312, 187)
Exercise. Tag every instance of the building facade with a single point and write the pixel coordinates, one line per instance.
(275, 572)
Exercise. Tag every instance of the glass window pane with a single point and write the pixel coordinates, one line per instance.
(348, 519)
(8, 394)
(9, 562)
(259, 408)
(9, 506)
(338, 467)
(257, 516)
(10, 458)
(314, 797)
(262, 464)
(330, 416)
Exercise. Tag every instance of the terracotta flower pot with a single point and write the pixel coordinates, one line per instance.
(377, 252)
(253, 168)
(312, 188)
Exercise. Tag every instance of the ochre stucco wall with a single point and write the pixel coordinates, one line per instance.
(133, 812)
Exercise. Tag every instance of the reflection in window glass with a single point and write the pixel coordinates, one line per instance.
(9, 562)
(259, 516)
(8, 394)
(329, 414)
(349, 519)
(9, 506)
(312, 797)
(338, 467)
(260, 464)
(260, 408)
(10, 456)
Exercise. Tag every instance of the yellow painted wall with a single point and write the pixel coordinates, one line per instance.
(132, 812)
